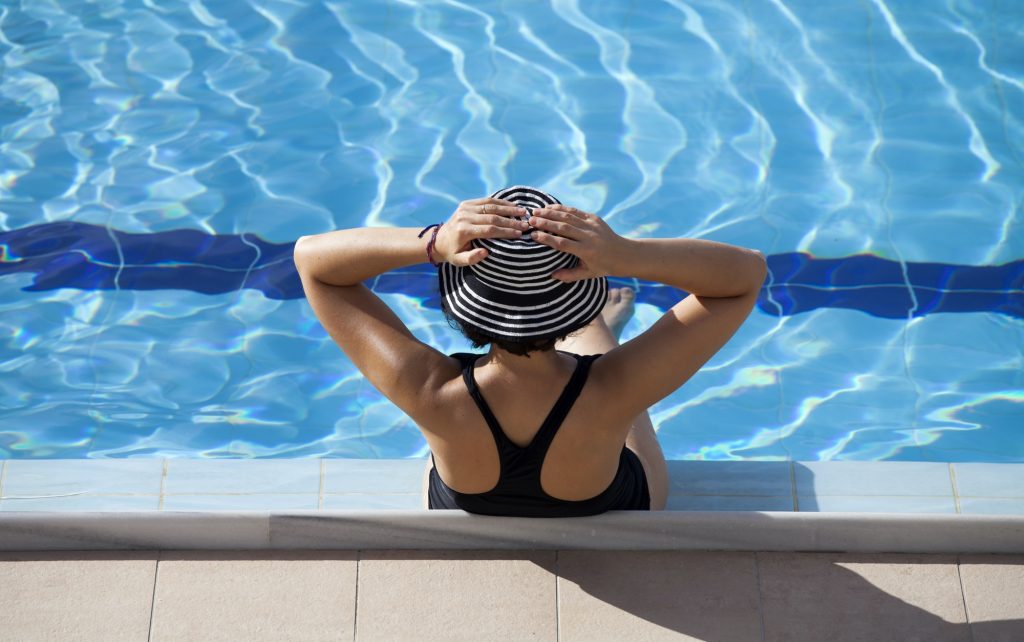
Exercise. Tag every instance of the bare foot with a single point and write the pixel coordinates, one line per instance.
(618, 309)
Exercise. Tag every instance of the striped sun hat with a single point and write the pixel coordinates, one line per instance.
(510, 295)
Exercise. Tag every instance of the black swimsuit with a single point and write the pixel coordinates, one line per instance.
(518, 492)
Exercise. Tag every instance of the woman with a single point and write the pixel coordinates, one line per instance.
(552, 421)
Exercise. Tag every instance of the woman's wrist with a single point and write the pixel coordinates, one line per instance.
(701, 267)
(433, 253)
(623, 257)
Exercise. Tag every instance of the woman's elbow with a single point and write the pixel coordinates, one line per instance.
(299, 251)
(758, 269)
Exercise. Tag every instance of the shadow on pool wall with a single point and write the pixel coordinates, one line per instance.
(891, 487)
(805, 491)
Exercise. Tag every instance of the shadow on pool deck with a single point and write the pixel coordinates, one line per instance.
(789, 596)
(509, 595)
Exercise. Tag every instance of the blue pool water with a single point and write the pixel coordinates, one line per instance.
(158, 160)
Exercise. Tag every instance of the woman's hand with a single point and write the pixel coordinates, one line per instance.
(600, 250)
(481, 218)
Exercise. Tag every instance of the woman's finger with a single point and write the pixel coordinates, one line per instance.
(462, 259)
(562, 215)
(500, 221)
(494, 232)
(567, 211)
(486, 199)
(499, 208)
(567, 230)
(559, 243)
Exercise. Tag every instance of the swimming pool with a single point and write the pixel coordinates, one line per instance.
(158, 160)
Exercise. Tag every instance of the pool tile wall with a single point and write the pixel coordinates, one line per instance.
(332, 484)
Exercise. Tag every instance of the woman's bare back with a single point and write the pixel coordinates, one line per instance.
(584, 455)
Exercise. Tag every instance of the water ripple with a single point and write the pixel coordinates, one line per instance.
(478, 138)
(977, 144)
(171, 152)
(653, 136)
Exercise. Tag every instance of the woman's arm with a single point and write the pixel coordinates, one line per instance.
(703, 268)
(723, 282)
(349, 257)
(332, 267)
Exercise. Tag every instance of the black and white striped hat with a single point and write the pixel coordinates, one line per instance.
(510, 295)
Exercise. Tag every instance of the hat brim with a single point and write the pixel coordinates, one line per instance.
(510, 295)
(520, 318)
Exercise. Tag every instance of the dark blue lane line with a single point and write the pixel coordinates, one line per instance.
(84, 256)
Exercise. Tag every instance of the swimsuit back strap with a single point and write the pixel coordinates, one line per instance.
(561, 409)
(468, 361)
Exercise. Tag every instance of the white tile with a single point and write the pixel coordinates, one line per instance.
(373, 475)
(874, 504)
(61, 476)
(766, 478)
(270, 501)
(389, 501)
(989, 480)
(992, 506)
(243, 476)
(873, 478)
(725, 502)
(83, 503)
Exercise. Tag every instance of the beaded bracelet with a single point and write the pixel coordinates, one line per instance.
(430, 243)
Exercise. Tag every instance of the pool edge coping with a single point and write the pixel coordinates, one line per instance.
(419, 529)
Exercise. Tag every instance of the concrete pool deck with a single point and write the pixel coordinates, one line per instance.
(508, 595)
(339, 549)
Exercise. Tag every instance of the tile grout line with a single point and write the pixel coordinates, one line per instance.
(164, 465)
(323, 483)
(963, 596)
(407, 494)
(403, 495)
(956, 493)
(152, 599)
(355, 610)
(760, 600)
(792, 487)
(558, 623)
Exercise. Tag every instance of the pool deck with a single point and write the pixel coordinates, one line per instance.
(508, 595)
(179, 549)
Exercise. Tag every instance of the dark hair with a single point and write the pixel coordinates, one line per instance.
(479, 340)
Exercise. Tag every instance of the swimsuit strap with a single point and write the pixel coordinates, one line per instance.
(468, 364)
(542, 440)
